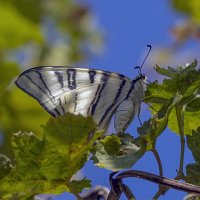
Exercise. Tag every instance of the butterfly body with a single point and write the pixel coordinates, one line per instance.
(85, 91)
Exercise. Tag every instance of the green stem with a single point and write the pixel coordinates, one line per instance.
(155, 153)
(180, 120)
(161, 188)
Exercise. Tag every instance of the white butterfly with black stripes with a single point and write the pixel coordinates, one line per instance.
(87, 92)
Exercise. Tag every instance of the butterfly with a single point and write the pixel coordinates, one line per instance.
(85, 91)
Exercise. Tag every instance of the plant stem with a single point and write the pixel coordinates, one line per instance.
(155, 153)
(180, 120)
(161, 188)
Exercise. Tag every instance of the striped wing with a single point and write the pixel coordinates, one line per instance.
(77, 90)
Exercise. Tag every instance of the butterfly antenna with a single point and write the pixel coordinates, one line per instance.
(140, 68)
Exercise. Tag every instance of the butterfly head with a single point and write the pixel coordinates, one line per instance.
(142, 77)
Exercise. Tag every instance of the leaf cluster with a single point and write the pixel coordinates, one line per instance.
(177, 100)
(46, 165)
(179, 90)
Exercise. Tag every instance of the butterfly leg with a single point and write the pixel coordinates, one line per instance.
(152, 107)
(138, 115)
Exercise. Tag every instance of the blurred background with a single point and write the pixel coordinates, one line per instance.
(109, 35)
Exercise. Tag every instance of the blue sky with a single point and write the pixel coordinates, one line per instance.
(128, 26)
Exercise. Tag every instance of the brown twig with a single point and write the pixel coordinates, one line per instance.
(171, 183)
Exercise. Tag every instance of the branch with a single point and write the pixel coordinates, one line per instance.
(171, 183)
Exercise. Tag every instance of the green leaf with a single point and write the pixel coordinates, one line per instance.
(157, 93)
(32, 10)
(8, 71)
(191, 121)
(70, 137)
(194, 105)
(193, 143)
(27, 149)
(190, 8)
(5, 165)
(191, 93)
(76, 187)
(169, 72)
(185, 81)
(151, 130)
(191, 97)
(12, 188)
(13, 111)
(46, 165)
(193, 173)
(193, 170)
(182, 79)
(155, 126)
(118, 152)
(16, 29)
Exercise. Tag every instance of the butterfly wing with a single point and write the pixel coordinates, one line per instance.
(76, 90)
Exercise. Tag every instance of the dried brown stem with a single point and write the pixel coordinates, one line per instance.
(169, 183)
